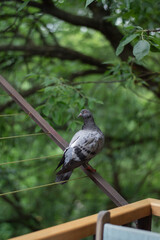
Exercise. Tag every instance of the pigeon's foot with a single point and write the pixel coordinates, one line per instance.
(89, 168)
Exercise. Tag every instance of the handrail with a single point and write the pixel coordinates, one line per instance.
(85, 227)
(155, 206)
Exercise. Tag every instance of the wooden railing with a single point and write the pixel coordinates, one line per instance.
(85, 227)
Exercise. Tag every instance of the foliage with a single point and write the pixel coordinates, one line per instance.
(63, 56)
(142, 47)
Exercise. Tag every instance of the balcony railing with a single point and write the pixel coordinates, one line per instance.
(84, 227)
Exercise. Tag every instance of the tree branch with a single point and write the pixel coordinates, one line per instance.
(87, 72)
(98, 22)
(110, 31)
(97, 82)
(26, 93)
(49, 8)
(62, 53)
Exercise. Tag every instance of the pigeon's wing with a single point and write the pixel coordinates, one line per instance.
(83, 146)
(61, 162)
(62, 159)
(70, 161)
(76, 137)
(88, 143)
(73, 140)
(70, 166)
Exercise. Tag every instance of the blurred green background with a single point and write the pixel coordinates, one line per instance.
(61, 56)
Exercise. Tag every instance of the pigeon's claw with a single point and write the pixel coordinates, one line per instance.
(89, 168)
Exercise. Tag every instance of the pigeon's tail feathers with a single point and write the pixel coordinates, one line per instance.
(63, 177)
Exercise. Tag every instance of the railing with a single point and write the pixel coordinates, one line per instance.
(84, 227)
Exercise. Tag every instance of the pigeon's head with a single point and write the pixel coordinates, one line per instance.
(85, 114)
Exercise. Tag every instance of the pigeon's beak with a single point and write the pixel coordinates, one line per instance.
(80, 115)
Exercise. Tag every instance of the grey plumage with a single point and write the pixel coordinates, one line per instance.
(84, 145)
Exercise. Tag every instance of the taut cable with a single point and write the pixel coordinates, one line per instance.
(30, 159)
(40, 186)
(24, 135)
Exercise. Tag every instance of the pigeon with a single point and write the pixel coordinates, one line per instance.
(84, 145)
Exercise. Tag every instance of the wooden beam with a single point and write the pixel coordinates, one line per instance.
(96, 178)
(130, 212)
(85, 227)
(155, 206)
(73, 230)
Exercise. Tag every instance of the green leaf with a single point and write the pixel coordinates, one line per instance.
(23, 5)
(49, 81)
(155, 43)
(124, 42)
(73, 126)
(31, 75)
(88, 2)
(37, 129)
(154, 47)
(129, 39)
(130, 28)
(141, 49)
(46, 111)
(139, 28)
(119, 49)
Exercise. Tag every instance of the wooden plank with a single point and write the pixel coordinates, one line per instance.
(155, 206)
(85, 227)
(73, 230)
(130, 212)
(96, 178)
